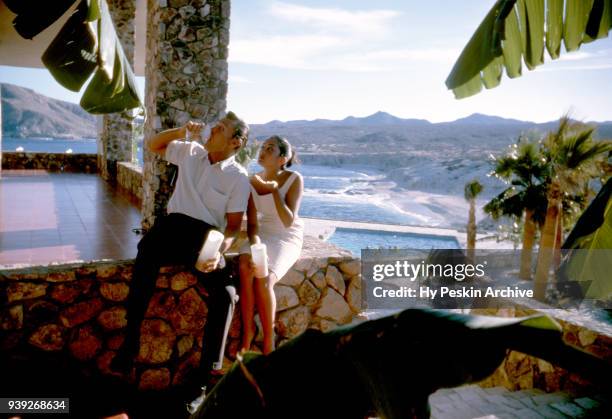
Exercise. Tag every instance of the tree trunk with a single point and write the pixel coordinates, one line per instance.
(471, 230)
(547, 243)
(558, 242)
(529, 232)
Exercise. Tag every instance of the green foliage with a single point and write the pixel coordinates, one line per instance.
(87, 44)
(573, 155)
(472, 190)
(567, 155)
(247, 153)
(522, 166)
(522, 29)
(34, 16)
(590, 244)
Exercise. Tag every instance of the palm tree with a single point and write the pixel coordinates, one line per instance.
(247, 153)
(523, 167)
(471, 191)
(574, 159)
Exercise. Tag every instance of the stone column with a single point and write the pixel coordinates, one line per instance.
(186, 73)
(116, 136)
(0, 132)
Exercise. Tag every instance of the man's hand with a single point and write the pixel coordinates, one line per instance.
(263, 187)
(210, 264)
(193, 130)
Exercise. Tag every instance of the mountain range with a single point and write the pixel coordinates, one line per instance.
(414, 153)
(27, 114)
(386, 124)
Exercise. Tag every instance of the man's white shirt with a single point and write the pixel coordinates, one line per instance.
(203, 190)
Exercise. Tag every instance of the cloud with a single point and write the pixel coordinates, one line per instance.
(363, 22)
(582, 60)
(312, 52)
(391, 59)
(298, 52)
(578, 67)
(576, 56)
(333, 39)
(238, 79)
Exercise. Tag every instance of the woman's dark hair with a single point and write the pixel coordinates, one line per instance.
(285, 150)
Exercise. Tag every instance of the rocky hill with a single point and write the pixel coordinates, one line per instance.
(416, 154)
(27, 114)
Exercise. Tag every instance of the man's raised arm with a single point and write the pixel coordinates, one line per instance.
(158, 143)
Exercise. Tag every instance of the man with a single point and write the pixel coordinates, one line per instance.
(211, 192)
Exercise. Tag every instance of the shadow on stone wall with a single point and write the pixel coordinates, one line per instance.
(53, 162)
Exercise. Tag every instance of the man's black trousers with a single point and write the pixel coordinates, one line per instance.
(176, 239)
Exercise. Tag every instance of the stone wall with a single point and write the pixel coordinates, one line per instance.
(186, 73)
(78, 310)
(129, 179)
(53, 162)
(1, 133)
(520, 371)
(117, 131)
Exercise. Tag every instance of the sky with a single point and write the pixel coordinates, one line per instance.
(299, 59)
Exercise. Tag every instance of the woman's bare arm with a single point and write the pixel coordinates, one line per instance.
(288, 210)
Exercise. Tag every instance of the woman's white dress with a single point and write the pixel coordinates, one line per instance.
(283, 244)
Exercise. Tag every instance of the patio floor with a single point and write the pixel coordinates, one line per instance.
(61, 217)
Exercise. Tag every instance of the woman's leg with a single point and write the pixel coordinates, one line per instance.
(246, 301)
(266, 307)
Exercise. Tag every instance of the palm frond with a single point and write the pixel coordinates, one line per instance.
(508, 203)
(472, 190)
(516, 31)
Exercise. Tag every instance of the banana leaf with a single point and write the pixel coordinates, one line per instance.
(102, 97)
(389, 366)
(71, 67)
(87, 44)
(515, 29)
(115, 89)
(589, 257)
(34, 16)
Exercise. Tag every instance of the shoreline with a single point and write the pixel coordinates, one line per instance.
(431, 209)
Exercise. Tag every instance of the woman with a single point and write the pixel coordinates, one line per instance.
(273, 220)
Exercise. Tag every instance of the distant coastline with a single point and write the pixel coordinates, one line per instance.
(50, 145)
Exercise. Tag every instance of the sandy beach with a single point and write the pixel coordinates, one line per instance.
(364, 185)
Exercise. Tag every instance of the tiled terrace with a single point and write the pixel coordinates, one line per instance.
(59, 217)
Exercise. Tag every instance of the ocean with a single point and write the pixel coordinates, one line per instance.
(50, 145)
